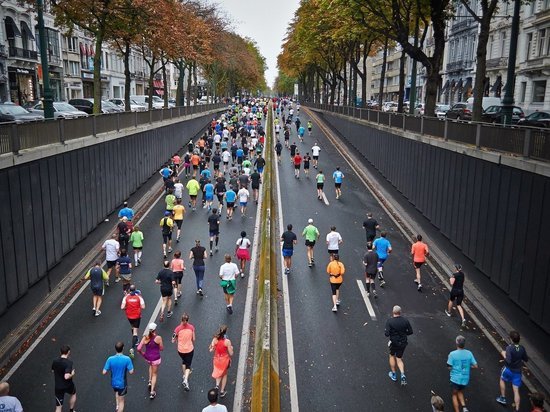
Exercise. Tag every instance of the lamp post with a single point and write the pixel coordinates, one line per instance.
(412, 95)
(47, 92)
(508, 100)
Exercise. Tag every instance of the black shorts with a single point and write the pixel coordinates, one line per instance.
(178, 223)
(397, 350)
(310, 243)
(334, 287)
(121, 391)
(111, 264)
(216, 166)
(178, 276)
(230, 205)
(60, 393)
(186, 359)
(193, 197)
(297, 167)
(195, 167)
(306, 165)
(418, 264)
(137, 248)
(457, 295)
(457, 387)
(254, 187)
(337, 185)
(320, 185)
(315, 157)
(370, 275)
(166, 293)
(134, 323)
(213, 233)
(166, 237)
(239, 160)
(97, 291)
(332, 251)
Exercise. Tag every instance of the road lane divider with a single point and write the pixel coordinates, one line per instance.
(370, 308)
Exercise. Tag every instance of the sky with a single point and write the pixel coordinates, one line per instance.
(265, 22)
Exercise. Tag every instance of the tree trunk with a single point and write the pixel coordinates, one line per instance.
(195, 83)
(180, 100)
(383, 74)
(481, 67)
(401, 93)
(189, 83)
(151, 65)
(345, 85)
(363, 76)
(317, 89)
(164, 84)
(127, 76)
(97, 71)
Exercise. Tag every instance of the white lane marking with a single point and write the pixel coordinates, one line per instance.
(325, 199)
(288, 322)
(366, 299)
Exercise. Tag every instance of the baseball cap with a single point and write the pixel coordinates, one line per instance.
(152, 326)
(167, 213)
(310, 220)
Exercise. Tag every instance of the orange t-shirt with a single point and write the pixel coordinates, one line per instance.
(184, 335)
(336, 268)
(201, 142)
(195, 159)
(419, 251)
(177, 265)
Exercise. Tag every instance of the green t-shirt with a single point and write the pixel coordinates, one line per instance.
(320, 178)
(310, 233)
(136, 239)
(247, 163)
(170, 202)
(193, 187)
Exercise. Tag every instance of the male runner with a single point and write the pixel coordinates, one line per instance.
(397, 329)
(311, 234)
(111, 248)
(338, 176)
(382, 246)
(370, 260)
(315, 150)
(214, 229)
(97, 277)
(133, 304)
(289, 239)
(119, 365)
(457, 293)
(166, 224)
(193, 188)
(64, 372)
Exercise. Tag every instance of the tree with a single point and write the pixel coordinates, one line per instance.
(284, 84)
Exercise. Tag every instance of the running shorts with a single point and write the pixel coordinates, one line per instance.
(186, 359)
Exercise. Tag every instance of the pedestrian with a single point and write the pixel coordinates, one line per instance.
(165, 278)
(289, 239)
(419, 252)
(309, 127)
(278, 150)
(334, 240)
(123, 233)
(97, 277)
(214, 229)
(150, 347)
(127, 212)
(306, 161)
(111, 248)
(335, 270)
(136, 240)
(223, 351)
(124, 270)
(63, 372)
(178, 215)
(119, 365)
(11, 403)
(184, 335)
(255, 179)
(311, 234)
(338, 177)
(460, 361)
(197, 255)
(193, 188)
(382, 247)
(536, 398)
(397, 329)
(297, 159)
(371, 226)
(242, 251)
(230, 197)
(370, 260)
(315, 150)
(177, 265)
(320, 179)
(178, 188)
(457, 293)
(243, 195)
(228, 275)
(514, 357)
(209, 194)
(167, 225)
(214, 406)
(132, 304)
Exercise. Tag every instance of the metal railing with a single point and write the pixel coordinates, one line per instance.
(19, 136)
(23, 53)
(528, 142)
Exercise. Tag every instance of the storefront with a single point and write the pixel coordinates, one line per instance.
(55, 83)
(73, 89)
(87, 83)
(22, 83)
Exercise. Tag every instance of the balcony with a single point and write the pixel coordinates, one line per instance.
(463, 23)
(459, 65)
(3, 51)
(499, 62)
(20, 53)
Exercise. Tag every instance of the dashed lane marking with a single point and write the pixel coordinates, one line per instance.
(366, 299)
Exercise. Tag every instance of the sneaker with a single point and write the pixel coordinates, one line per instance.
(287, 271)
(117, 280)
(164, 255)
(501, 400)
(374, 293)
(242, 275)
(222, 394)
(419, 288)
(463, 325)
(337, 303)
(169, 250)
(464, 409)
(310, 264)
(169, 314)
(211, 253)
(200, 292)
(216, 248)
(334, 308)
(447, 313)
(312, 260)
(403, 380)
(131, 353)
(97, 312)
(415, 280)
(393, 376)
(368, 294)
(177, 240)
(185, 386)
(176, 302)
(189, 204)
(93, 309)
(107, 284)
(152, 395)
(179, 295)
(382, 283)
(230, 310)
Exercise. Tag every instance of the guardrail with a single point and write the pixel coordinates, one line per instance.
(528, 142)
(19, 136)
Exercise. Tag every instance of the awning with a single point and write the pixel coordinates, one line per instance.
(26, 29)
(158, 84)
(445, 87)
(459, 85)
(12, 30)
(498, 83)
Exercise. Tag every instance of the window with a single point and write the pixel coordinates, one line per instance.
(74, 69)
(542, 42)
(491, 45)
(522, 90)
(539, 90)
(529, 45)
(72, 44)
(546, 5)
(503, 51)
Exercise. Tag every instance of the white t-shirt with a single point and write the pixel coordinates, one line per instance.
(111, 247)
(12, 404)
(277, 128)
(246, 171)
(226, 156)
(243, 195)
(215, 408)
(315, 150)
(217, 138)
(243, 243)
(225, 133)
(229, 271)
(178, 190)
(333, 240)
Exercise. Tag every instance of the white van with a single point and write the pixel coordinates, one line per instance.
(143, 99)
(487, 101)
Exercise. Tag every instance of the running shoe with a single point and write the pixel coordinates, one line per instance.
(131, 353)
(139, 261)
(310, 264)
(97, 312)
(393, 376)
(222, 394)
(186, 386)
(161, 319)
(169, 314)
(463, 323)
(242, 275)
(337, 303)
(152, 395)
(230, 310)
(382, 283)
(169, 250)
(447, 313)
(374, 293)
(419, 288)
(403, 380)
(176, 302)
(179, 294)
(334, 308)
(415, 280)
(287, 271)
(211, 253)
(464, 409)
(93, 309)
(200, 292)
(501, 400)
(117, 280)
(164, 256)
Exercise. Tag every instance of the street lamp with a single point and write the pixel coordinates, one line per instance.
(47, 92)
(508, 100)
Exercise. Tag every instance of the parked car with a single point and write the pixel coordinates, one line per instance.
(142, 99)
(134, 107)
(536, 119)
(10, 112)
(87, 105)
(494, 114)
(391, 107)
(441, 110)
(61, 110)
(460, 111)
(486, 102)
(420, 109)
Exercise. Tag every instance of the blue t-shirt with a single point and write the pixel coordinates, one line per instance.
(382, 245)
(240, 153)
(124, 262)
(119, 365)
(301, 130)
(206, 173)
(126, 212)
(230, 196)
(166, 172)
(209, 189)
(460, 361)
(223, 144)
(337, 176)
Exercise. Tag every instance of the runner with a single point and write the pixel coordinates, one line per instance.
(228, 275)
(287, 136)
(278, 150)
(126, 212)
(459, 362)
(457, 293)
(9, 403)
(178, 188)
(334, 240)
(311, 234)
(338, 176)
(259, 163)
(124, 270)
(178, 215)
(223, 351)
(335, 270)
(136, 240)
(514, 357)
(315, 150)
(97, 277)
(165, 278)
(187, 164)
(371, 226)
(419, 252)
(193, 188)
(370, 260)
(208, 194)
(256, 179)
(213, 405)
(166, 224)
(309, 127)
(214, 229)
(63, 372)
(230, 197)
(150, 347)
(382, 247)
(320, 178)
(177, 265)
(184, 335)
(216, 160)
(219, 191)
(133, 304)
(119, 365)
(397, 329)
(306, 160)
(197, 255)
(243, 195)
(289, 239)
(226, 156)
(301, 132)
(176, 160)
(123, 232)
(111, 248)
(297, 160)
(195, 160)
(293, 148)
(241, 251)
